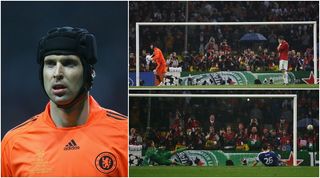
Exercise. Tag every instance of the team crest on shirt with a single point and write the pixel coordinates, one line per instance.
(106, 162)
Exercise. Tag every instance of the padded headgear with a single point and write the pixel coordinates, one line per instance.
(70, 41)
(67, 41)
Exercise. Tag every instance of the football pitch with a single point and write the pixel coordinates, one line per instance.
(262, 86)
(223, 171)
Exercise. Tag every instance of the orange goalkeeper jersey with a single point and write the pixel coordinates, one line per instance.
(97, 148)
(161, 62)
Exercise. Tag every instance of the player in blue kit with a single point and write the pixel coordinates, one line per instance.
(268, 158)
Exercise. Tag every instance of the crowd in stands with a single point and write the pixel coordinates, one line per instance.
(248, 60)
(228, 124)
(218, 48)
(205, 11)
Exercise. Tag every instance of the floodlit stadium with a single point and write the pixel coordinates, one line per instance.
(222, 131)
(240, 94)
(205, 48)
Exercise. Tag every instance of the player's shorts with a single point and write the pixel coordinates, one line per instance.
(283, 64)
(161, 70)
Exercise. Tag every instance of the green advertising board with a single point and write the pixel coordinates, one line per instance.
(220, 158)
(234, 78)
(240, 77)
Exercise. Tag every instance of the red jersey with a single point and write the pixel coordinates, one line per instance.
(283, 50)
(229, 136)
(159, 59)
(97, 148)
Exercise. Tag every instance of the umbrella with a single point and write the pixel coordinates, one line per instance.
(306, 121)
(253, 37)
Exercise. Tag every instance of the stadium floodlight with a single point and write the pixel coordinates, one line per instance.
(313, 23)
(292, 96)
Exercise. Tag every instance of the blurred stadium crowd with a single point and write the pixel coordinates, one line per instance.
(226, 124)
(218, 48)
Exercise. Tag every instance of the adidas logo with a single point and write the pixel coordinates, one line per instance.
(72, 145)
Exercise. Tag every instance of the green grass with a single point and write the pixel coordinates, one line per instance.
(223, 171)
(290, 86)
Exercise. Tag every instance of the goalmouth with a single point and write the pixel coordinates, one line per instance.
(292, 96)
(313, 23)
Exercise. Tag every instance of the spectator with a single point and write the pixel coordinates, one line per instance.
(192, 123)
(266, 137)
(241, 137)
(254, 122)
(229, 138)
(172, 61)
(175, 62)
(211, 46)
(198, 139)
(170, 140)
(132, 62)
(275, 140)
(283, 125)
(133, 137)
(302, 143)
(212, 139)
(300, 62)
(213, 122)
(254, 140)
(222, 133)
(225, 47)
(285, 141)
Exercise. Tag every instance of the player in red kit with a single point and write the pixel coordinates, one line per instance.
(161, 68)
(283, 49)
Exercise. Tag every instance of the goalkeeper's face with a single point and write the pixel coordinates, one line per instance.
(62, 77)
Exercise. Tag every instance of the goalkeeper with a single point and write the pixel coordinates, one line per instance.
(160, 156)
(161, 68)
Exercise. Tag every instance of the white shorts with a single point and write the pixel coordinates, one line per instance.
(283, 65)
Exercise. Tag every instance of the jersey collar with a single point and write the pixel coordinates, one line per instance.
(94, 108)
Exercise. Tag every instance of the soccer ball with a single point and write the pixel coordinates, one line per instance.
(148, 58)
(244, 161)
(310, 127)
(265, 81)
(135, 160)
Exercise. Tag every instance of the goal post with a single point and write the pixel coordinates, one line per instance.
(138, 24)
(292, 96)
